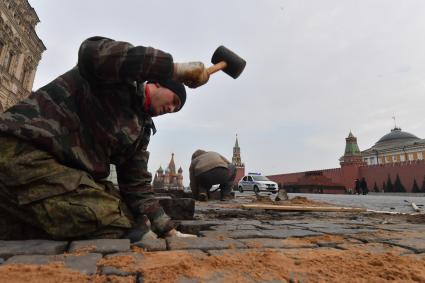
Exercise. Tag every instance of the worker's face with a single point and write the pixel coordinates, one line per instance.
(163, 101)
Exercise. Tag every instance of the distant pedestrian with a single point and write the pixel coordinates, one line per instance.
(357, 187)
(209, 168)
(363, 186)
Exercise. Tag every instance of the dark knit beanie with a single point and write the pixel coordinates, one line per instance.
(176, 87)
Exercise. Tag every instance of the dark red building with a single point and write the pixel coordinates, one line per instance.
(398, 163)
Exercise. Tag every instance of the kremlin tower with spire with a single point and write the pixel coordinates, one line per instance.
(236, 160)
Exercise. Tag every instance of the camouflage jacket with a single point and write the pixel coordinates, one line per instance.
(93, 115)
(204, 162)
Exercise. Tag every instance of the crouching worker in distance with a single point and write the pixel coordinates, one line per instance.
(209, 168)
(57, 145)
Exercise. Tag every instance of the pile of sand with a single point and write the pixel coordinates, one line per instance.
(356, 264)
(307, 265)
(52, 273)
(303, 201)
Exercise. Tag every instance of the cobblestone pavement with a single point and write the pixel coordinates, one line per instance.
(223, 227)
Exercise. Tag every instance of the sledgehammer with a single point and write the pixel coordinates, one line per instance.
(228, 61)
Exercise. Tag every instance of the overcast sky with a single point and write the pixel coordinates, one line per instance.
(315, 70)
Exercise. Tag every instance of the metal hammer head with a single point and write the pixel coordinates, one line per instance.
(235, 64)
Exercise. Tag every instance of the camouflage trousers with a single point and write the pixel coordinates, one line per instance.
(41, 198)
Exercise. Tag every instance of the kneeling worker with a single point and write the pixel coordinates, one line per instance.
(56, 146)
(209, 168)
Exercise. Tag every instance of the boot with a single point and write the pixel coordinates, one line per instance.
(203, 197)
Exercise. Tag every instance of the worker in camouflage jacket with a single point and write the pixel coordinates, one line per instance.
(57, 145)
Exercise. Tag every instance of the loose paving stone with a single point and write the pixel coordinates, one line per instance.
(178, 208)
(327, 244)
(246, 227)
(85, 264)
(224, 228)
(333, 241)
(249, 234)
(353, 240)
(265, 226)
(342, 230)
(274, 243)
(377, 237)
(195, 226)
(198, 254)
(34, 259)
(104, 246)
(401, 227)
(137, 257)
(358, 222)
(152, 244)
(318, 224)
(375, 248)
(234, 222)
(215, 234)
(246, 234)
(286, 233)
(242, 234)
(415, 244)
(30, 247)
(286, 222)
(110, 270)
(237, 222)
(202, 243)
(247, 222)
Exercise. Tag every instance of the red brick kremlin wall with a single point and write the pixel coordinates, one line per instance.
(407, 171)
(286, 178)
(349, 174)
(334, 174)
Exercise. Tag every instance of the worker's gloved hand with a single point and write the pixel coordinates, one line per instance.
(141, 230)
(192, 74)
(146, 208)
(175, 233)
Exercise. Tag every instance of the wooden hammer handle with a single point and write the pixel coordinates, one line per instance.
(217, 67)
